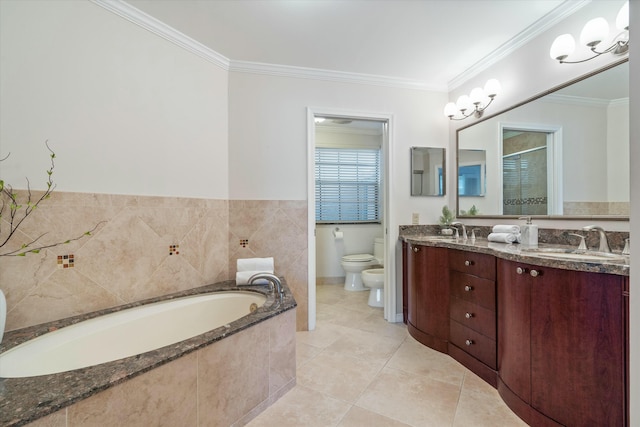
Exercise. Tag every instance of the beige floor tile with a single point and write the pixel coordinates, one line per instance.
(323, 336)
(358, 417)
(483, 407)
(339, 375)
(302, 407)
(415, 358)
(366, 346)
(305, 352)
(415, 400)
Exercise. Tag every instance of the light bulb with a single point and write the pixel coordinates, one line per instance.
(622, 20)
(477, 96)
(492, 88)
(562, 47)
(450, 109)
(594, 32)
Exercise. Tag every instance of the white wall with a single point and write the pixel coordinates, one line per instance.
(126, 111)
(617, 148)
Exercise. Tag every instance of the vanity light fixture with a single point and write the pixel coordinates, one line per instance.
(593, 33)
(475, 103)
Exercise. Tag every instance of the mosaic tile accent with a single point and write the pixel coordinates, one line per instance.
(244, 242)
(173, 250)
(66, 261)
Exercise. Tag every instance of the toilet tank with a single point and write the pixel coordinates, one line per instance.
(378, 249)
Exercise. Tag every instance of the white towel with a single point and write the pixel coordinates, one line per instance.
(255, 264)
(504, 237)
(513, 229)
(247, 267)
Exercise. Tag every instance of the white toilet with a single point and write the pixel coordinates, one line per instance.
(353, 266)
(374, 278)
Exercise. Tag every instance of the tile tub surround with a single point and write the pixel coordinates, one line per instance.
(513, 252)
(129, 256)
(258, 354)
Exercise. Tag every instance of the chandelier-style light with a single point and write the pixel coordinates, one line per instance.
(475, 103)
(593, 33)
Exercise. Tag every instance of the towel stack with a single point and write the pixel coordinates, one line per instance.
(505, 234)
(247, 267)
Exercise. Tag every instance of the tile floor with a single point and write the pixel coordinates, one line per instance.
(356, 370)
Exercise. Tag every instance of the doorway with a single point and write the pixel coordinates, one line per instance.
(531, 174)
(351, 120)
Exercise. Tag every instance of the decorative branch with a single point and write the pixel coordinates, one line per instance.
(17, 215)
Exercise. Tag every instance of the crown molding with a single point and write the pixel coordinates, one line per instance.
(148, 22)
(584, 101)
(329, 75)
(566, 9)
(159, 28)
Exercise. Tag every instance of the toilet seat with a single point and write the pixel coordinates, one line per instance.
(358, 258)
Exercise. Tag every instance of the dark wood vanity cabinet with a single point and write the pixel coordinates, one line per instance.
(472, 324)
(427, 280)
(562, 345)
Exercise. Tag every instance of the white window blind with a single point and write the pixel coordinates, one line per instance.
(347, 185)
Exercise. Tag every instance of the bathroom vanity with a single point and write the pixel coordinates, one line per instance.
(550, 334)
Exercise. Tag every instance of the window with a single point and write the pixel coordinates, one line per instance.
(470, 180)
(347, 185)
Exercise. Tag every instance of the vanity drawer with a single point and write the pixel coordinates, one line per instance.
(474, 289)
(474, 343)
(481, 265)
(473, 316)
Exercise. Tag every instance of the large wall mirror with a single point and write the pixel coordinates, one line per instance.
(428, 173)
(564, 153)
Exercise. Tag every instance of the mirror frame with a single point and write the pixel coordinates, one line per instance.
(444, 171)
(526, 101)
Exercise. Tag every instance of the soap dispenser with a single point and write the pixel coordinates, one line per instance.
(529, 233)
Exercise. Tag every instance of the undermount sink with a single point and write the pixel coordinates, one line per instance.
(576, 255)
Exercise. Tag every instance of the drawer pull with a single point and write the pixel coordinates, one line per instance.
(468, 342)
(468, 263)
(468, 315)
(468, 288)
(534, 273)
(520, 270)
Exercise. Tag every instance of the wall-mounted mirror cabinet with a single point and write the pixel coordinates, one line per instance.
(428, 173)
(561, 154)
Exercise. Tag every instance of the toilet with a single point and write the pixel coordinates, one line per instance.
(353, 266)
(373, 278)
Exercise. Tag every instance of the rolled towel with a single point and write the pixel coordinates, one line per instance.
(504, 237)
(514, 229)
(255, 264)
(242, 277)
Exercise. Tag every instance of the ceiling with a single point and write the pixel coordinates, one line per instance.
(432, 41)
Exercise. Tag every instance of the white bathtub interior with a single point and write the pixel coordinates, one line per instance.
(126, 333)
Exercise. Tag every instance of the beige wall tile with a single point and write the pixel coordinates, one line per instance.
(239, 365)
(282, 350)
(163, 396)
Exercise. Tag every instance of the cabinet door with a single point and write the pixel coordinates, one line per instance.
(514, 321)
(428, 294)
(577, 347)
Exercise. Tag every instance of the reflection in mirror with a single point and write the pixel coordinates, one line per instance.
(427, 171)
(565, 153)
(472, 172)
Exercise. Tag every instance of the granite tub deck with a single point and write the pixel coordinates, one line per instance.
(518, 252)
(252, 358)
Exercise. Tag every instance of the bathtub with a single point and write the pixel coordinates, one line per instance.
(126, 333)
(203, 354)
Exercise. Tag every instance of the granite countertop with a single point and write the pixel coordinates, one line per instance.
(23, 400)
(520, 253)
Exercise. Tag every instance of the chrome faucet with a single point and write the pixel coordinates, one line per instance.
(604, 244)
(273, 280)
(464, 229)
